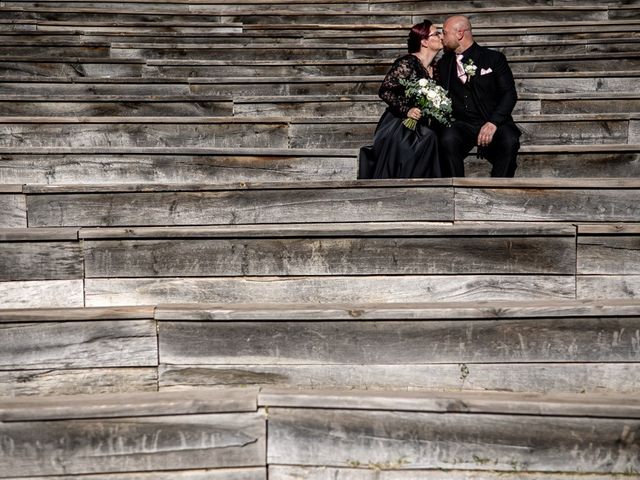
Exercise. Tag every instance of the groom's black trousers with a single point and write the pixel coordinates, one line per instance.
(457, 141)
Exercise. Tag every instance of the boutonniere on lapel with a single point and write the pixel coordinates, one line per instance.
(469, 68)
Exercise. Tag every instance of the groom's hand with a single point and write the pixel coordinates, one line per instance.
(486, 134)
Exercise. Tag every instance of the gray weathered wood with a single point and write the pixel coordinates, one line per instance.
(614, 378)
(37, 234)
(289, 472)
(238, 207)
(614, 255)
(75, 314)
(546, 204)
(42, 294)
(130, 343)
(226, 135)
(570, 165)
(400, 342)
(174, 167)
(608, 286)
(13, 211)
(365, 289)
(128, 405)
(573, 405)
(40, 261)
(427, 440)
(255, 473)
(634, 131)
(89, 67)
(405, 311)
(78, 381)
(340, 256)
(134, 444)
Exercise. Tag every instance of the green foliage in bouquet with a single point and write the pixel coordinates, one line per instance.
(430, 98)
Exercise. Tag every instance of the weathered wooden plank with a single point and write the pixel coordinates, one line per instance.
(75, 314)
(609, 228)
(173, 167)
(240, 207)
(288, 472)
(90, 86)
(42, 294)
(612, 378)
(572, 405)
(124, 107)
(129, 405)
(399, 342)
(405, 311)
(608, 286)
(339, 256)
(225, 135)
(24, 260)
(13, 211)
(634, 131)
(614, 255)
(216, 474)
(32, 67)
(428, 440)
(605, 105)
(130, 343)
(38, 234)
(394, 289)
(78, 381)
(134, 444)
(546, 204)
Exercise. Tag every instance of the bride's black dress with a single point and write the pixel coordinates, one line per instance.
(398, 152)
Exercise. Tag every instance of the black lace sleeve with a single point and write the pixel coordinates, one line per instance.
(392, 92)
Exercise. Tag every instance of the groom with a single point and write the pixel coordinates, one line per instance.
(483, 93)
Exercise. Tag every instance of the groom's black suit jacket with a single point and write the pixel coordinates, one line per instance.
(492, 86)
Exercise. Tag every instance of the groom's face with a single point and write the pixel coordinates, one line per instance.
(450, 36)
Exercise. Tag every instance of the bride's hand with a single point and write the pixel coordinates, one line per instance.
(414, 113)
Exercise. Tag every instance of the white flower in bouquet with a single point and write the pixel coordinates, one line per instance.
(430, 98)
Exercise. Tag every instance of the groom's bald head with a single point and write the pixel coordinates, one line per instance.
(456, 33)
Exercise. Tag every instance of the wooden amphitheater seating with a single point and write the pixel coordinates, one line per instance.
(194, 285)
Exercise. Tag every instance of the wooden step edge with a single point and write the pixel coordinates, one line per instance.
(283, 152)
(334, 230)
(76, 314)
(610, 229)
(92, 60)
(133, 188)
(400, 311)
(10, 188)
(179, 151)
(117, 98)
(100, 80)
(191, 402)
(48, 234)
(592, 405)
(508, 183)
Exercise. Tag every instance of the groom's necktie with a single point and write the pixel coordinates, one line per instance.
(461, 75)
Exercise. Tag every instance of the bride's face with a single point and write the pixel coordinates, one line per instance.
(435, 38)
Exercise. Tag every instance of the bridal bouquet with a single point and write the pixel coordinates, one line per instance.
(431, 98)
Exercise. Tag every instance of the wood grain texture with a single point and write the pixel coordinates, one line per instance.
(129, 405)
(38, 234)
(79, 344)
(509, 204)
(77, 381)
(512, 377)
(13, 211)
(609, 255)
(140, 135)
(75, 314)
(40, 261)
(178, 168)
(134, 444)
(400, 342)
(608, 286)
(425, 440)
(239, 207)
(340, 256)
(42, 294)
(366, 472)
(571, 405)
(255, 473)
(583, 164)
(394, 289)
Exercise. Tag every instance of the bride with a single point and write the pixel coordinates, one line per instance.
(397, 151)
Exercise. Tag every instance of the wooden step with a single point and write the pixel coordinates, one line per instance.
(287, 68)
(192, 431)
(71, 67)
(282, 132)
